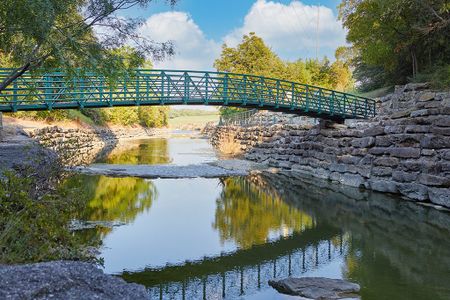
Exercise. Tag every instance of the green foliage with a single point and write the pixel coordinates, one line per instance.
(252, 56)
(227, 110)
(154, 116)
(175, 113)
(33, 230)
(395, 40)
(438, 76)
(60, 33)
(48, 116)
(127, 116)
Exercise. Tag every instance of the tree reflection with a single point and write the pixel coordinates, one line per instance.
(250, 215)
(113, 199)
(150, 152)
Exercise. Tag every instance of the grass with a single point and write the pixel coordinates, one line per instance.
(192, 120)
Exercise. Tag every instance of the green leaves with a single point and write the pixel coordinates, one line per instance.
(253, 56)
(400, 38)
(72, 34)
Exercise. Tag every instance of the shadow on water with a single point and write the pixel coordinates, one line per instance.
(394, 249)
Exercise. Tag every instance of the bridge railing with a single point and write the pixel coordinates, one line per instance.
(60, 90)
(240, 281)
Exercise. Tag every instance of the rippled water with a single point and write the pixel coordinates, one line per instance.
(225, 238)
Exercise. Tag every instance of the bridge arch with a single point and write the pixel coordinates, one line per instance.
(58, 90)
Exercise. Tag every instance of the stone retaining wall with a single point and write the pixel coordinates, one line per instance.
(404, 150)
(83, 146)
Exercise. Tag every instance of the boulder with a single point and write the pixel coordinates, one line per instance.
(64, 280)
(317, 287)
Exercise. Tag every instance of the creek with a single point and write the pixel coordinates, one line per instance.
(224, 238)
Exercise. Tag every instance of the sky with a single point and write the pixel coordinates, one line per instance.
(199, 28)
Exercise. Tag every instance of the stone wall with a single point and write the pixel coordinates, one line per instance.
(404, 150)
(84, 146)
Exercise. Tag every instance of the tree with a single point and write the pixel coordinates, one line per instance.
(400, 38)
(251, 56)
(71, 34)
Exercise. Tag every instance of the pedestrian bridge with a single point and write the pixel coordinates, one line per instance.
(59, 90)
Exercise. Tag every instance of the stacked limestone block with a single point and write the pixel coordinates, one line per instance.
(82, 146)
(404, 150)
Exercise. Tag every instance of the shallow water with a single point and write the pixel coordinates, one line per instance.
(225, 238)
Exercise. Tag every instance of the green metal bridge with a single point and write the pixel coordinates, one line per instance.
(58, 90)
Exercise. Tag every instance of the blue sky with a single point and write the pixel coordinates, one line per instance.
(198, 28)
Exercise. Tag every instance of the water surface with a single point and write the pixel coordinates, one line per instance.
(225, 238)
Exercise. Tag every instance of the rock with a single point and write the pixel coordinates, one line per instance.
(443, 121)
(414, 87)
(161, 171)
(386, 161)
(76, 225)
(401, 176)
(414, 191)
(426, 96)
(373, 131)
(316, 287)
(382, 171)
(440, 196)
(417, 129)
(353, 180)
(64, 280)
(434, 180)
(405, 152)
(364, 142)
(384, 186)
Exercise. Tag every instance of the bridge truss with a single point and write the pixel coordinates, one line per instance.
(59, 90)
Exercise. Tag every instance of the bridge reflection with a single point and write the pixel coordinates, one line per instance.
(245, 271)
(275, 239)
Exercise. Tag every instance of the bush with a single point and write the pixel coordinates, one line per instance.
(439, 77)
(33, 230)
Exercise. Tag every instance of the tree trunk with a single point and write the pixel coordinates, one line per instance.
(13, 76)
(415, 68)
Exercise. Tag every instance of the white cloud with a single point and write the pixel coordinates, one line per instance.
(192, 49)
(291, 29)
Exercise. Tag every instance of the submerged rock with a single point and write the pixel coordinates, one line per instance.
(64, 280)
(82, 225)
(317, 288)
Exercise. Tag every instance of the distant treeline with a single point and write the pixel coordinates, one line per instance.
(146, 116)
(175, 113)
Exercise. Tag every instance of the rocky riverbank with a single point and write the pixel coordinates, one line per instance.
(404, 150)
(26, 142)
(64, 280)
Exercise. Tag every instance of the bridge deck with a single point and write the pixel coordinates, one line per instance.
(58, 90)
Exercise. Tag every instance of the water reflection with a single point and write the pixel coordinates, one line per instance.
(210, 238)
(149, 151)
(394, 249)
(248, 215)
(178, 151)
(112, 199)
